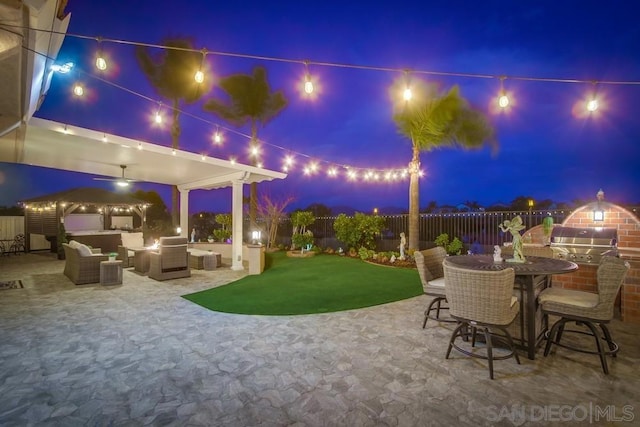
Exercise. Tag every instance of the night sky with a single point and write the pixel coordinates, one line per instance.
(549, 148)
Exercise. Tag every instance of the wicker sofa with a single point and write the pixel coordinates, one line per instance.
(82, 264)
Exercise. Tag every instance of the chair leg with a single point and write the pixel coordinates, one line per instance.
(511, 344)
(487, 337)
(613, 348)
(454, 335)
(552, 334)
(429, 309)
(473, 336)
(601, 353)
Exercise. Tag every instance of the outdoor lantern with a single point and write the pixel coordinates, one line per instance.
(179, 230)
(598, 215)
(255, 236)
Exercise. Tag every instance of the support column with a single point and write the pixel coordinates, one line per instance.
(236, 214)
(184, 213)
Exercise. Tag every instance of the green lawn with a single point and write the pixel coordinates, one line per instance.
(320, 284)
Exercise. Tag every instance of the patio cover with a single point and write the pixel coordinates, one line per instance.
(55, 145)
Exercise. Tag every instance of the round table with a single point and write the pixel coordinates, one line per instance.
(532, 276)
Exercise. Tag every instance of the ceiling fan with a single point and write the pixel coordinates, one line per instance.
(122, 181)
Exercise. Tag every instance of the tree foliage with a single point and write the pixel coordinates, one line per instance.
(272, 211)
(433, 119)
(171, 73)
(359, 230)
(248, 100)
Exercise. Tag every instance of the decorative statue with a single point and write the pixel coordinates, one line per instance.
(193, 235)
(514, 226)
(403, 243)
(497, 254)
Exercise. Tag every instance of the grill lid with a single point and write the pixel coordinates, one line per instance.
(584, 236)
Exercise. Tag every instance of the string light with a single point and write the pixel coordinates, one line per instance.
(388, 175)
(503, 99)
(407, 94)
(199, 76)
(158, 115)
(78, 89)
(217, 137)
(308, 84)
(101, 62)
(592, 104)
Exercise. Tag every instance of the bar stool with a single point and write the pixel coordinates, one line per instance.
(429, 265)
(586, 309)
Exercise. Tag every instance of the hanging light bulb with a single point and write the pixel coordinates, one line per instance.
(592, 104)
(101, 62)
(217, 136)
(503, 99)
(158, 116)
(199, 76)
(407, 94)
(308, 84)
(78, 90)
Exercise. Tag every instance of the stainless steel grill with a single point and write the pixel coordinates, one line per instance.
(584, 245)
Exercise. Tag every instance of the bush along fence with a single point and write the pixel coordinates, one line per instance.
(474, 229)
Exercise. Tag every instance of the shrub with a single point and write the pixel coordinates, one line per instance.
(453, 248)
(359, 230)
(302, 240)
(365, 253)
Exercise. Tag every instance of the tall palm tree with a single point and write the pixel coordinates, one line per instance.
(248, 100)
(433, 119)
(171, 72)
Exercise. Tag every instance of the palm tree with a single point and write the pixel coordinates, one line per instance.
(171, 72)
(433, 119)
(249, 100)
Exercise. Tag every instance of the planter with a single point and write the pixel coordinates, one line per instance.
(297, 254)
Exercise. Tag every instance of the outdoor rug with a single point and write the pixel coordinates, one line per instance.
(320, 284)
(11, 284)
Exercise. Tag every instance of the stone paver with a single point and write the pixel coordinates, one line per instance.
(139, 354)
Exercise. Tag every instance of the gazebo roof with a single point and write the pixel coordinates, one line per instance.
(96, 196)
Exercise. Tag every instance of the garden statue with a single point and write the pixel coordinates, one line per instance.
(403, 243)
(193, 235)
(514, 226)
(497, 254)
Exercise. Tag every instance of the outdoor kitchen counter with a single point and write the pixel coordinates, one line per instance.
(532, 276)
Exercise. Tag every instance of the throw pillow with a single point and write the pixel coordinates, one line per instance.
(84, 250)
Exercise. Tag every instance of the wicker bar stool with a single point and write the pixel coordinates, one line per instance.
(586, 309)
(481, 299)
(429, 265)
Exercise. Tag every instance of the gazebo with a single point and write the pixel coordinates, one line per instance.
(44, 214)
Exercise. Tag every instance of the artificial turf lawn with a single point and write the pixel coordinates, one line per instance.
(320, 284)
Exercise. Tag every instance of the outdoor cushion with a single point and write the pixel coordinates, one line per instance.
(132, 240)
(439, 282)
(83, 250)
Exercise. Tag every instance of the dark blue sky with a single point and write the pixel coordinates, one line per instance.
(547, 150)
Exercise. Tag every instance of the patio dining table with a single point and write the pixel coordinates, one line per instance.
(532, 276)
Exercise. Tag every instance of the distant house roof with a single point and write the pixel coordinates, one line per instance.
(97, 196)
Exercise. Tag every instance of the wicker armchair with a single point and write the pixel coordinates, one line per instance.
(481, 299)
(587, 309)
(171, 261)
(429, 265)
(82, 269)
(129, 240)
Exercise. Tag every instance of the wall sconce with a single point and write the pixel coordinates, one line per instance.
(598, 215)
(255, 236)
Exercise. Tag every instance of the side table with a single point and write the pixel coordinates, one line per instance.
(111, 272)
